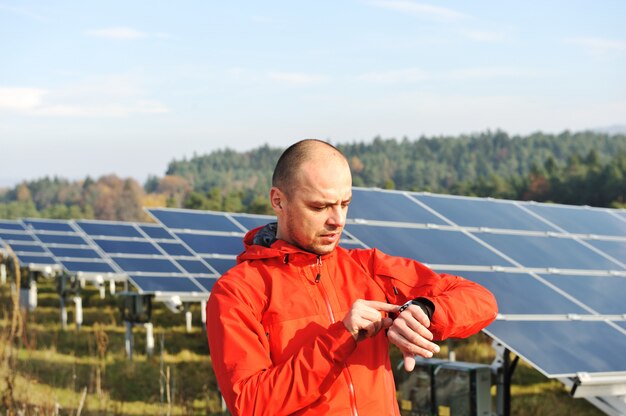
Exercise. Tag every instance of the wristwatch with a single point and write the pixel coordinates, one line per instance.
(426, 305)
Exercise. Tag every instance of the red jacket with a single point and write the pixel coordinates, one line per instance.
(277, 341)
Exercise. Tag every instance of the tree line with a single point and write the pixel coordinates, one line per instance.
(582, 168)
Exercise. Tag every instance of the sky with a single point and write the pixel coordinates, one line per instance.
(125, 87)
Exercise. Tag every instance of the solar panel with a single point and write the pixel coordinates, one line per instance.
(564, 348)
(156, 232)
(615, 249)
(604, 294)
(381, 205)
(580, 220)
(156, 283)
(522, 293)
(175, 249)
(29, 252)
(548, 252)
(193, 220)
(72, 249)
(212, 244)
(127, 247)
(250, 222)
(427, 245)
(476, 212)
(109, 229)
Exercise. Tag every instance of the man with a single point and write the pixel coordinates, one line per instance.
(302, 326)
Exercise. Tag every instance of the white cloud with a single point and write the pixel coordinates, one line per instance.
(395, 76)
(111, 96)
(413, 75)
(598, 45)
(297, 78)
(485, 36)
(23, 11)
(20, 99)
(422, 10)
(119, 33)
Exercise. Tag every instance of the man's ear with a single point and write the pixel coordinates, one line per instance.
(276, 199)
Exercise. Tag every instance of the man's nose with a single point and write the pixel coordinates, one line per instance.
(337, 216)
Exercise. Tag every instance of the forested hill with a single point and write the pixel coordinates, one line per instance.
(487, 164)
(573, 168)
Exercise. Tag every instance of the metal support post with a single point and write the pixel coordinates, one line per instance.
(3, 274)
(149, 338)
(32, 295)
(203, 312)
(112, 287)
(503, 368)
(63, 313)
(101, 288)
(188, 317)
(78, 304)
(128, 340)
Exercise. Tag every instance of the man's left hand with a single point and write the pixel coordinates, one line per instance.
(410, 333)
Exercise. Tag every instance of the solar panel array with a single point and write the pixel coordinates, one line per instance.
(558, 272)
(28, 250)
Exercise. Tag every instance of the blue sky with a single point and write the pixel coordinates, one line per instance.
(90, 88)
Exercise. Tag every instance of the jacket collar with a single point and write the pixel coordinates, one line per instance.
(261, 243)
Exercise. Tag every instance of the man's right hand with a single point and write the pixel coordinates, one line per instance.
(365, 318)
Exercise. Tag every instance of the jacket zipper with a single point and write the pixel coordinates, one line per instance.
(331, 315)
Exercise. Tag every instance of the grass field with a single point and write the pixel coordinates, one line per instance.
(47, 370)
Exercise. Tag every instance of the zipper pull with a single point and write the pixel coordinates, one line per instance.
(319, 269)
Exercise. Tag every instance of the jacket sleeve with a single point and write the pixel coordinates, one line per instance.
(250, 383)
(462, 307)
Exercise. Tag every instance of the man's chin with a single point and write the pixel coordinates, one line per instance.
(322, 249)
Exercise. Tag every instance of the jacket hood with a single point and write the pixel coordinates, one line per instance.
(261, 243)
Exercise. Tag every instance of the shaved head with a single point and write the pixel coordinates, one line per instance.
(288, 167)
(311, 191)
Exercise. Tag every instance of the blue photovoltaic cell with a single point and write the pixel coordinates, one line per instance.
(388, 206)
(127, 247)
(34, 259)
(519, 293)
(11, 225)
(221, 265)
(29, 248)
(147, 265)
(43, 225)
(347, 244)
(73, 240)
(9, 236)
(175, 249)
(206, 282)
(546, 252)
(213, 244)
(615, 249)
(86, 267)
(252, 222)
(156, 232)
(190, 220)
(109, 229)
(579, 220)
(194, 267)
(474, 212)
(564, 348)
(83, 253)
(427, 245)
(151, 284)
(604, 294)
